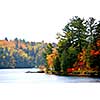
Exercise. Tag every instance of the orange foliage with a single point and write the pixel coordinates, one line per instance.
(12, 44)
(97, 52)
(94, 52)
(5, 43)
(81, 60)
(21, 45)
(69, 70)
(98, 43)
(50, 58)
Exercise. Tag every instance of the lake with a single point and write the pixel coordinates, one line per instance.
(19, 76)
(15, 84)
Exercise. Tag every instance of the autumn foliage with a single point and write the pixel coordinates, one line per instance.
(50, 58)
(20, 53)
(78, 47)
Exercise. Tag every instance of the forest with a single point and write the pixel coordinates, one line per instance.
(19, 53)
(78, 49)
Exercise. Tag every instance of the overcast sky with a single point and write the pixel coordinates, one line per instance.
(37, 20)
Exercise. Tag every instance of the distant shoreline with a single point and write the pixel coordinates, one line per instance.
(17, 68)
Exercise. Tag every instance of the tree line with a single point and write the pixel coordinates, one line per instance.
(19, 53)
(78, 47)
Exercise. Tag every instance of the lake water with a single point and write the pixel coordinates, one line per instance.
(19, 76)
(15, 84)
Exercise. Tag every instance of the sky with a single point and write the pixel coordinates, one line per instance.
(37, 20)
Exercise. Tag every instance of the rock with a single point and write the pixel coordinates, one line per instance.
(35, 72)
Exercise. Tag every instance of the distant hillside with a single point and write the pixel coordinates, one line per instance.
(21, 54)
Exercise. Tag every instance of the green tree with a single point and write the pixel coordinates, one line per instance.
(57, 66)
(75, 32)
(91, 24)
(64, 62)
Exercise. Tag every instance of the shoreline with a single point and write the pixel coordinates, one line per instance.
(66, 75)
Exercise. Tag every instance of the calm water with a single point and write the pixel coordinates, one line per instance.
(15, 84)
(19, 76)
